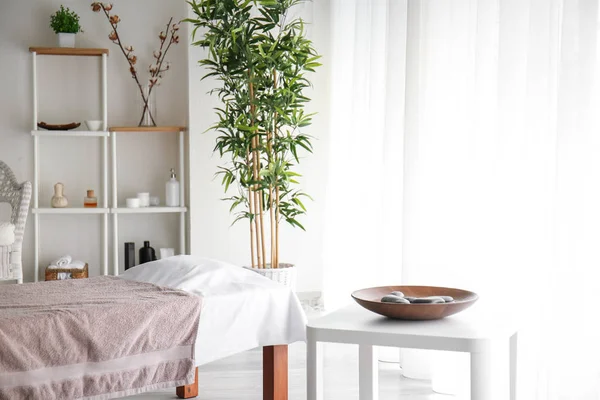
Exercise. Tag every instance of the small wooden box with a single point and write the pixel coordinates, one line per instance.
(76, 273)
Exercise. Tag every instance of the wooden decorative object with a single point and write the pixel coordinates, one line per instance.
(188, 391)
(64, 127)
(76, 273)
(371, 300)
(275, 372)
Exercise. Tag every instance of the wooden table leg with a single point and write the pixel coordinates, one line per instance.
(275, 372)
(188, 391)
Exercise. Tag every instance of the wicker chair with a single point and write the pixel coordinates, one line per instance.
(18, 195)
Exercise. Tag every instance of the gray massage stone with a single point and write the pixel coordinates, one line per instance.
(399, 294)
(394, 299)
(447, 299)
(428, 300)
(410, 298)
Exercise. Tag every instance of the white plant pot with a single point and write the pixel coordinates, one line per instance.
(285, 274)
(66, 39)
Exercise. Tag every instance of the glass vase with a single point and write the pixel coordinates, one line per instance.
(148, 109)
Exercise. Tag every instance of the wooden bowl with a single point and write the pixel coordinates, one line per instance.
(371, 300)
(55, 127)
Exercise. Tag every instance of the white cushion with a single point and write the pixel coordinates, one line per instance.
(7, 234)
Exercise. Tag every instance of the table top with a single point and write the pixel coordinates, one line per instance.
(471, 325)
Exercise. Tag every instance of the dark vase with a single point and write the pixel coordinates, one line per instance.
(147, 253)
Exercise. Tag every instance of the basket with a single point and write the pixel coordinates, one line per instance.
(284, 275)
(73, 273)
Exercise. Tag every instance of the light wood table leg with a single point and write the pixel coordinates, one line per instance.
(513, 367)
(368, 375)
(188, 391)
(481, 376)
(275, 372)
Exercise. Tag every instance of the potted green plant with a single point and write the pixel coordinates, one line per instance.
(261, 58)
(65, 24)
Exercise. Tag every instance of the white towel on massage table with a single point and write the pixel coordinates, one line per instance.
(241, 309)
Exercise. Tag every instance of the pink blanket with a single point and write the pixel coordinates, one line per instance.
(96, 338)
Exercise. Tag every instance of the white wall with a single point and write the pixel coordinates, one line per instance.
(69, 90)
(211, 234)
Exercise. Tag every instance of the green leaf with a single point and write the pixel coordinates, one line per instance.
(297, 201)
(293, 222)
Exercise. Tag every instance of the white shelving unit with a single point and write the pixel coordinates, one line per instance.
(116, 210)
(104, 209)
(79, 210)
(149, 210)
(70, 133)
(102, 135)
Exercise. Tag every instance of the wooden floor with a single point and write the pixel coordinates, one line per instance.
(240, 378)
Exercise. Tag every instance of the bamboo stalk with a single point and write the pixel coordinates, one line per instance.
(274, 222)
(259, 237)
(277, 224)
(262, 230)
(271, 211)
(255, 175)
(272, 219)
(251, 209)
(257, 204)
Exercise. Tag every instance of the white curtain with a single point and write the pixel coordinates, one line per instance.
(366, 58)
(503, 178)
(500, 179)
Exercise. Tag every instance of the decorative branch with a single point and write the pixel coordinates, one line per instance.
(156, 70)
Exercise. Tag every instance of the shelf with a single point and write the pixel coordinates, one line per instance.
(148, 210)
(68, 51)
(71, 133)
(70, 210)
(146, 128)
(120, 210)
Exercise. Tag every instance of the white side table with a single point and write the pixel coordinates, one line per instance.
(469, 331)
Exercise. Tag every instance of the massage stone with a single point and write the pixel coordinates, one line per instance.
(428, 300)
(398, 297)
(394, 299)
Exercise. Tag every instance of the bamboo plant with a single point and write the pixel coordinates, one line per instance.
(260, 58)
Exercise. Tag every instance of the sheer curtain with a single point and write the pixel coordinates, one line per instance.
(363, 234)
(502, 172)
(500, 180)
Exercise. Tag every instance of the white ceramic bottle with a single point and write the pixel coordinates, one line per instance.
(172, 194)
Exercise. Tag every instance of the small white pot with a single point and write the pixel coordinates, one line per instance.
(285, 274)
(66, 39)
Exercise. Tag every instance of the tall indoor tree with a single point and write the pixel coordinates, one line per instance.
(261, 57)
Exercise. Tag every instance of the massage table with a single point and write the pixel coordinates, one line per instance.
(240, 310)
